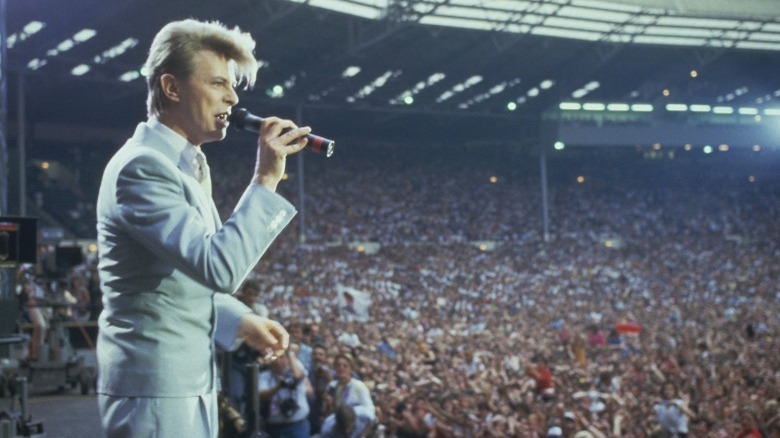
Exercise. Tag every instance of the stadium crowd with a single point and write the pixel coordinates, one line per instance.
(651, 309)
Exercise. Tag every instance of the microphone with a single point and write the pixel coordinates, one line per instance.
(243, 120)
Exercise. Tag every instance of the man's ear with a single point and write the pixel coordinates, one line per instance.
(170, 87)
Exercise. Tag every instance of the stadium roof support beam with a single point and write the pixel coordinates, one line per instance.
(666, 133)
(713, 8)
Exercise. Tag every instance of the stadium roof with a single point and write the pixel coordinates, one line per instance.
(407, 69)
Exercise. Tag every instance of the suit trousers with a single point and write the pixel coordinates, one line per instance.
(159, 417)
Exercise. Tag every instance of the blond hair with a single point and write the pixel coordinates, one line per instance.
(174, 49)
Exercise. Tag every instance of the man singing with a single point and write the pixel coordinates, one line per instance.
(167, 263)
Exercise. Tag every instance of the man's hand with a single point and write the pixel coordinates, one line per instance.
(278, 138)
(264, 335)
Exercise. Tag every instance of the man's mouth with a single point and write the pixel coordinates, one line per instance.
(222, 117)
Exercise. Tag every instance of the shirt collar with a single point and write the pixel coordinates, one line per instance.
(183, 148)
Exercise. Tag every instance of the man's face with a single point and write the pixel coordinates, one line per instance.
(318, 355)
(205, 99)
(669, 392)
(700, 429)
(343, 370)
(296, 333)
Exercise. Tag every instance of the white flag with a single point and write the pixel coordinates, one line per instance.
(353, 303)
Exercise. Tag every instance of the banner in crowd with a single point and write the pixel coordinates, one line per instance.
(353, 304)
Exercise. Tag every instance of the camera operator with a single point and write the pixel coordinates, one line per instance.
(282, 389)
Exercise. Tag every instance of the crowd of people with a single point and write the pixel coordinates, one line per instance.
(650, 293)
(650, 309)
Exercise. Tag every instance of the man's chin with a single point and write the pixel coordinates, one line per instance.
(217, 136)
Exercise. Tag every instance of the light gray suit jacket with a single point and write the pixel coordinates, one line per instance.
(167, 267)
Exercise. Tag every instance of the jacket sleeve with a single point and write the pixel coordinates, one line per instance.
(229, 313)
(155, 207)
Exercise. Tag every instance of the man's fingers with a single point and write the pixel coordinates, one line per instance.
(277, 338)
(286, 132)
(266, 336)
(280, 334)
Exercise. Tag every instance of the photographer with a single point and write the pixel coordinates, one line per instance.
(282, 389)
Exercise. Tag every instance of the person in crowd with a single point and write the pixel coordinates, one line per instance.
(672, 412)
(579, 351)
(305, 350)
(542, 377)
(700, 428)
(749, 423)
(554, 431)
(249, 295)
(167, 262)
(35, 301)
(409, 421)
(80, 296)
(322, 374)
(346, 389)
(568, 423)
(596, 337)
(771, 418)
(283, 389)
(346, 423)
